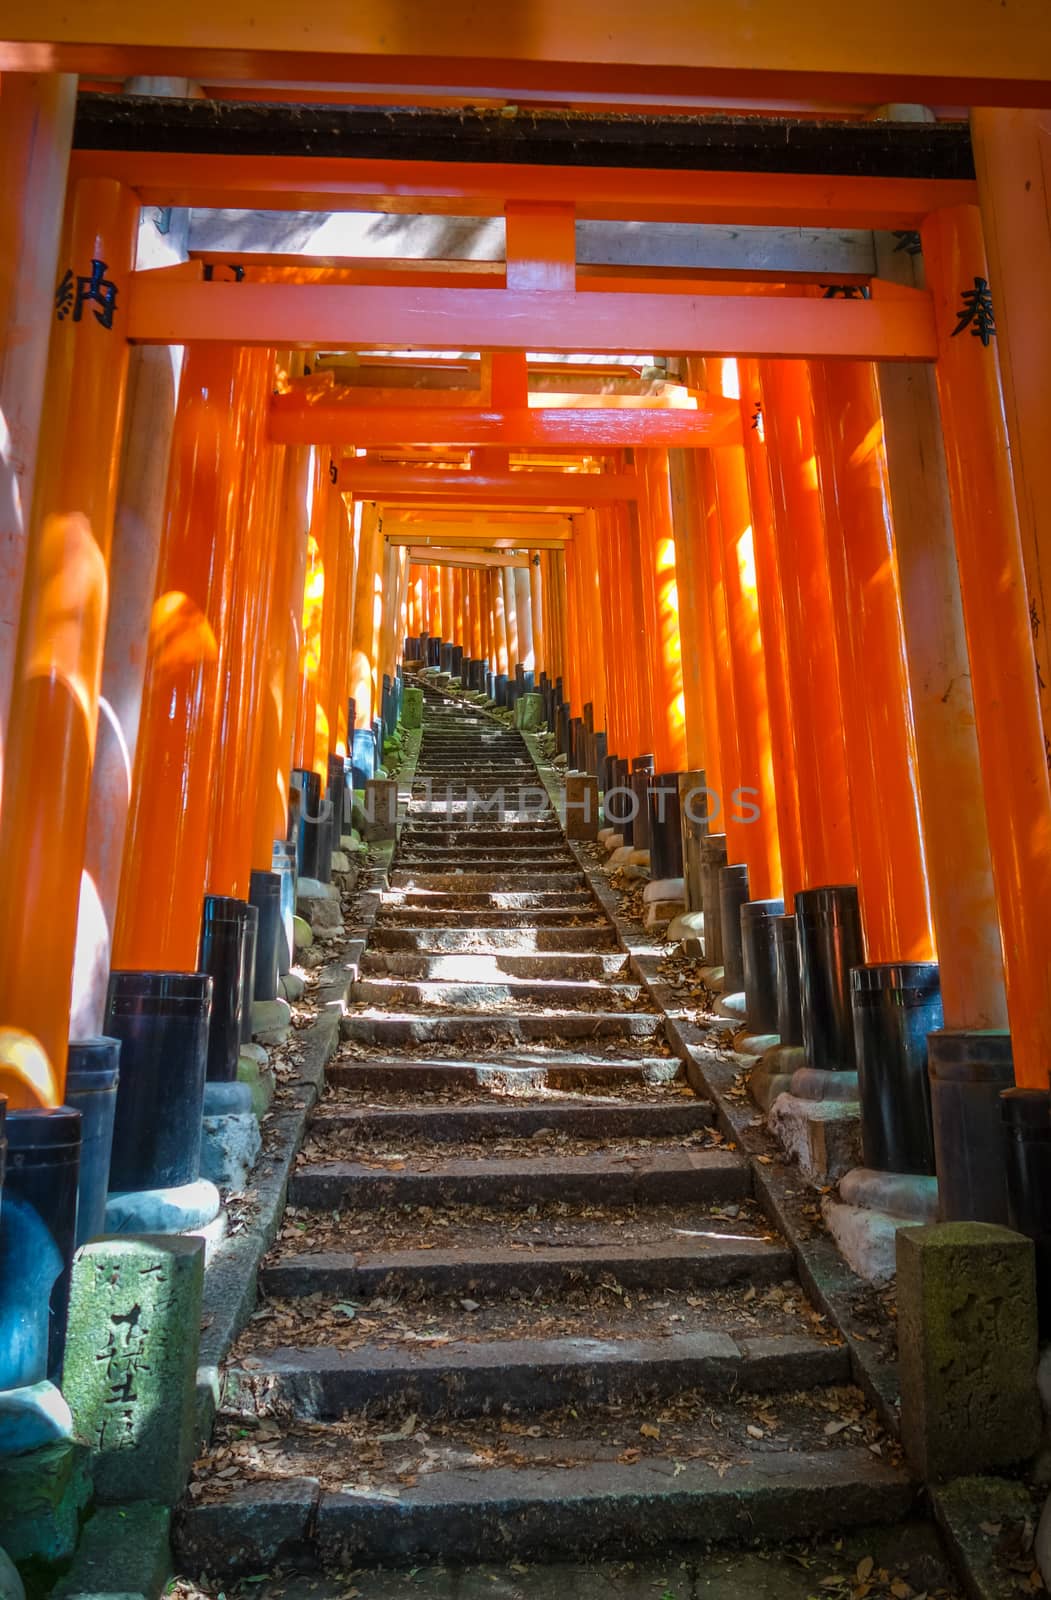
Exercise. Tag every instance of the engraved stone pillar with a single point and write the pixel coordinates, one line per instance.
(131, 1362)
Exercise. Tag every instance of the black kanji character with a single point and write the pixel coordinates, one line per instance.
(76, 292)
(976, 312)
(64, 295)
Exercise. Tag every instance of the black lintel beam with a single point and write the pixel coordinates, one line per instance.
(528, 138)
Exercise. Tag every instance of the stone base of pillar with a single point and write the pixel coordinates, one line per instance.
(182, 1210)
(363, 756)
(32, 1417)
(43, 1495)
(271, 1021)
(230, 1146)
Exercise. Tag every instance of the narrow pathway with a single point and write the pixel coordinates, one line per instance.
(523, 1306)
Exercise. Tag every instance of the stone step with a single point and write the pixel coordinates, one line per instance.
(527, 937)
(396, 994)
(536, 1513)
(598, 1120)
(505, 851)
(493, 901)
(459, 812)
(506, 1029)
(523, 1375)
(710, 1262)
(473, 882)
(513, 867)
(501, 1072)
(670, 1177)
(467, 968)
(418, 914)
(432, 831)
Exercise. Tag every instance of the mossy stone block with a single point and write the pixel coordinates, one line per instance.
(412, 708)
(131, 1362)
(42, 1496)
(967, 1347)
(124, 1551)
(260, 1081)
(529, 712)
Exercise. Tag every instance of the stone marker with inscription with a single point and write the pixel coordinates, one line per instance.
(131, 1362)
(967, 1348)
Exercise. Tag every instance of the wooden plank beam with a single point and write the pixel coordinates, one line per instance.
(940, 52)
(494, 540)
(426, 485)
(309, 183)
(465, 557)
(327, 316)
(716, 422)
(832, 254)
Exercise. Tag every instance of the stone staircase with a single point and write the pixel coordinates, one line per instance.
(523, 1305)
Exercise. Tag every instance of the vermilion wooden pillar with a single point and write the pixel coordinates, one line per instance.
(772, 629)
(434, 602)
(558, 592)
(817, 715)
(332, 559)
(478, 639)
(996, 616)
(459, 632)
(634, 562)
(499, 619)
(514, 648)
(536, 592)
(166, 848)
(36, 125)
(1012, 159)
(277, 712)
(747, 664)
(448, 605)
(524, 617)
(58, 662)
(725, 779)
(693, 627)
(335, 627)
(310, 628)
(669, 733)
(367, 601)
(590, 643)
(870, 651)
(956, 837)
(616, 663)
(242, 642)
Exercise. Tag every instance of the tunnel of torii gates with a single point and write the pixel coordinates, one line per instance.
(774, 515)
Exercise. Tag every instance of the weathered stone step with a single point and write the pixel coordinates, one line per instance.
(502, 1071)
(671, 1177)
(523, 1375)
(536, 936)
(596, 1119)
(493, 901)
(511, 850)
(710, 1262)
(505, 1029)
(473, 882)
(483, 994)
(513, 868)
(419, 915)
(537, 1513)
(457, 812)
(433, 831)
(467, 968)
